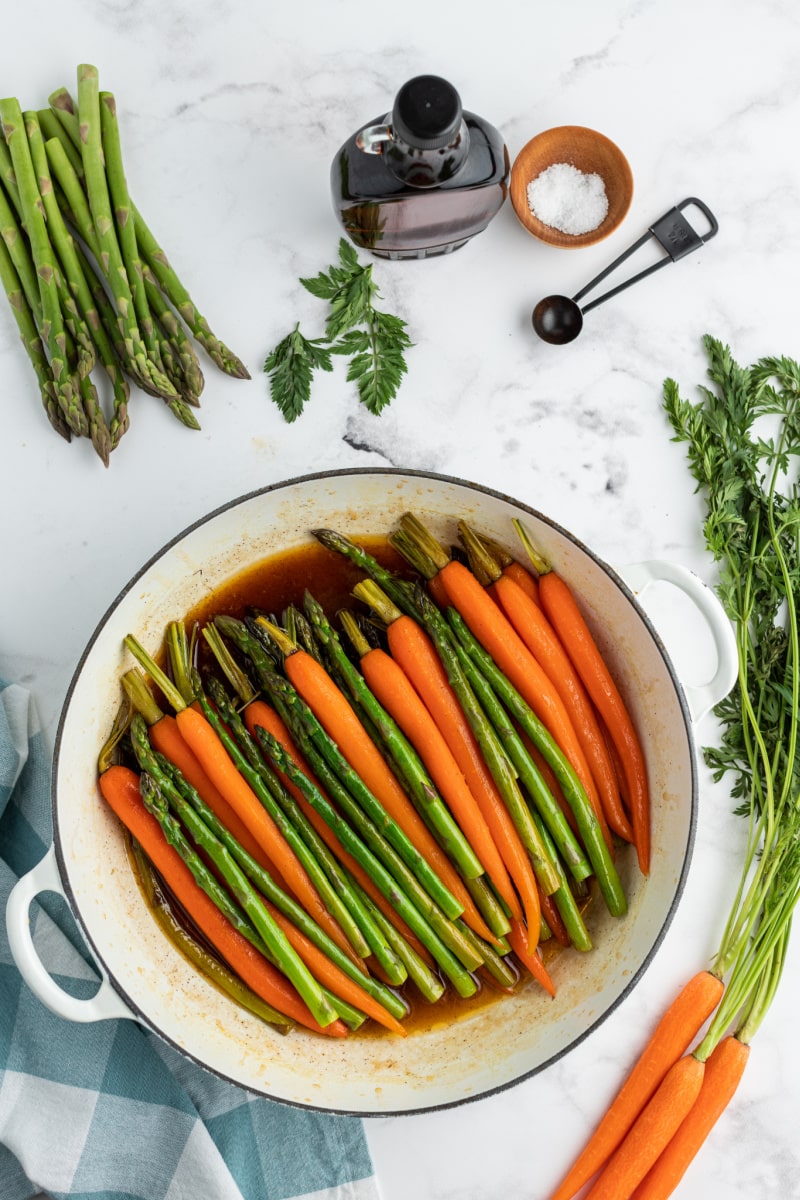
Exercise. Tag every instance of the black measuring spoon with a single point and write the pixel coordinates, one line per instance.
(559, 319)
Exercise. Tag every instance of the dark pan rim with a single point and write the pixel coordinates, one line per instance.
(136, 1010)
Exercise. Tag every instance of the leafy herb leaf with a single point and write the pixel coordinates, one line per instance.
(378, 367)
(374, 341)
(290, 367)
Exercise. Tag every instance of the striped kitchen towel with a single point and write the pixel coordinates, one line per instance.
(108, 1110)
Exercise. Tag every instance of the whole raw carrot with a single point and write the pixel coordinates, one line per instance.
(218, 765)
(538, 634)
(651, 1131)
(396, 693)
(336, 715)
(672, 1036)
(560, 606)
(120, 789)
(724, 1069)
(497, 635)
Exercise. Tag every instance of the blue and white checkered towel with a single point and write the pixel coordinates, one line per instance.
(108, 1110)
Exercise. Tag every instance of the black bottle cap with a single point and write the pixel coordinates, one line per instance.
(427, 112)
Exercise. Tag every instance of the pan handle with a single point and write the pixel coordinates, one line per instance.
(703, 697)
(104, 1005)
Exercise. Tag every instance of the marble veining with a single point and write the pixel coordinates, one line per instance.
(230, 115)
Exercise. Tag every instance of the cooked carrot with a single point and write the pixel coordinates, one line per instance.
(120, 788)
(523, 579)
(413, 649)
(390, 684)
(553, 918)
(331, 976)
(724, 1069)
(541, 639)
(671, 1038)
(336, 715)
(218, 765)
(166, 738)
(518, 937)
(651, 1132)
(437, 592)
(258, 713)
(497, 635)
(560, 606)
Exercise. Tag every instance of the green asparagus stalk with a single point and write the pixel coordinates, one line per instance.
(85, 319)
(361, 931)
(29, 335)
(154, 255)
(588, 825)
(353, 798)
(81, 217)
(568, 846)
(428, 801)
(159, 767)
(124, 225)
(369, 803)
(429, 985)
(52, 327)
(489, 906)
(400, 591)
(160, 906)
(268, 934)
(111, 258)
(415, 919)
(496, 759)
(330, 897)
(173, 340)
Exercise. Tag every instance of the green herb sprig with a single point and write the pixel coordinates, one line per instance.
(375, 342)
(743, 448)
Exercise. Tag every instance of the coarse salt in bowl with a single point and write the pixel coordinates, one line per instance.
(571, 186)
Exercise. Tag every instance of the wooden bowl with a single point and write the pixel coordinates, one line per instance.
(588, 151)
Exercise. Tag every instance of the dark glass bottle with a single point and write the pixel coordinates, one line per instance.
(423, 179)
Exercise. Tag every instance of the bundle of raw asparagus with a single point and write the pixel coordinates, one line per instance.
(86, 279)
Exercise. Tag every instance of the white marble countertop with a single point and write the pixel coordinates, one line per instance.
(230, 116)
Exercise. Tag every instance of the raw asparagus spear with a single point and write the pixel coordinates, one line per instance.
(53, 331)
(154, 255)
(111, 258)
(31, 341)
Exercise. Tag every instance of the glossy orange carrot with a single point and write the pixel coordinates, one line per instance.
(331, 976)
(392, 687)
(166, 738)
(724, 1069)
(672, 1036)
(560, 606)
(258, 713)
(553, 918)
(221, 770)
(651, 1132)
(120, 788)
(499, 638)
(337, 717)
(541, 639)
(523, 579)
(518, 937)
(413, 649)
